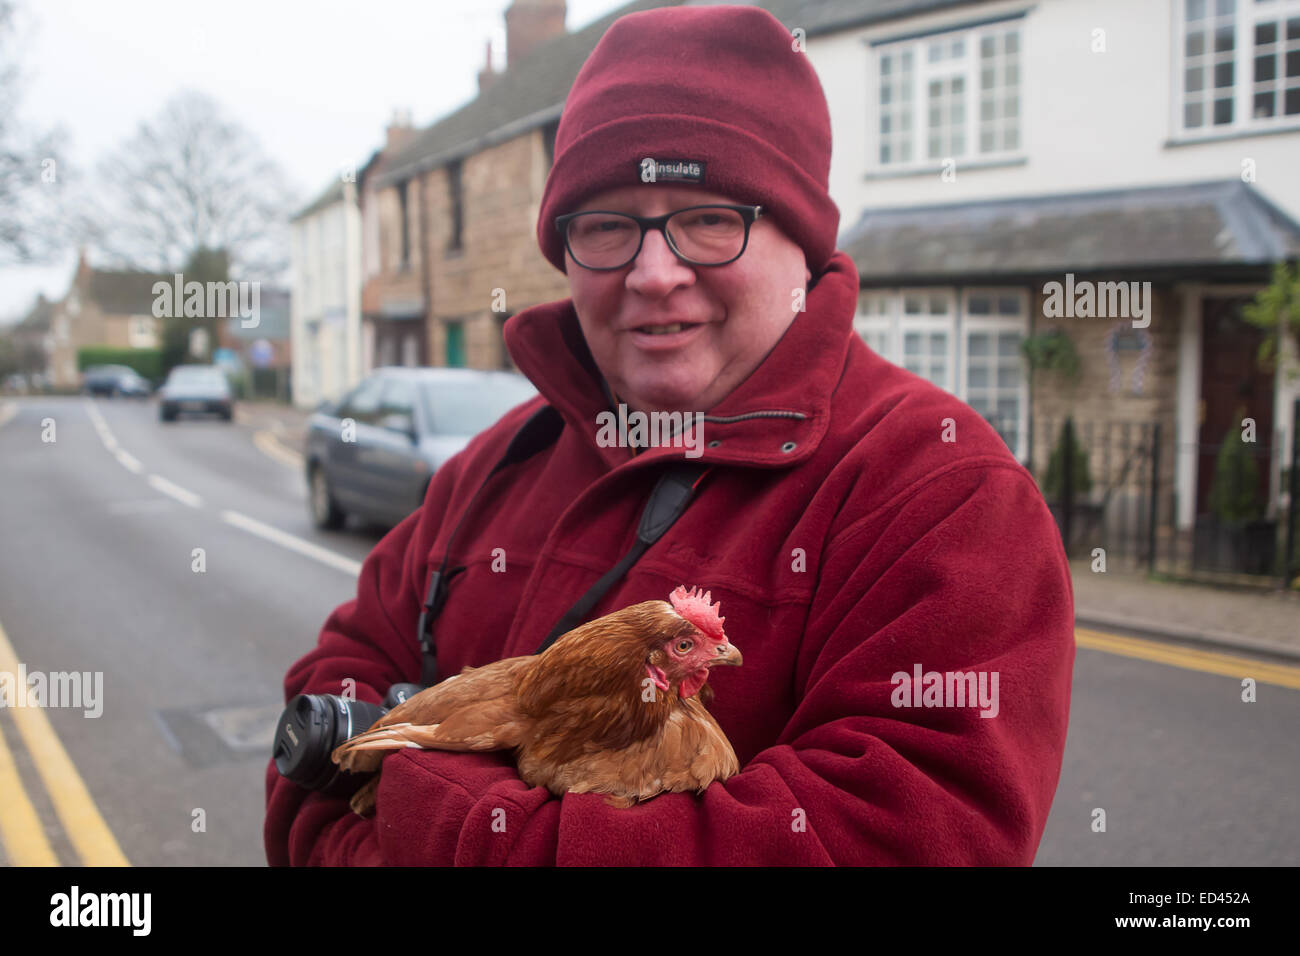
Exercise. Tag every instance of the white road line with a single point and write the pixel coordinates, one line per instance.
(159, 483)
(129, 461)
(7, 411)
(269, 446)
(96, 418)
(101, 426)
(292, 542)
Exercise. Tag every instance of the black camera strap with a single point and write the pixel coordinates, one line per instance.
(671, 495)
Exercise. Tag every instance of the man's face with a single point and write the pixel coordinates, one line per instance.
(740, 310)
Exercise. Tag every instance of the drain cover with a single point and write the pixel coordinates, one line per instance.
(208, 736)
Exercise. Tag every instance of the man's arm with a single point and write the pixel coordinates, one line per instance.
(965, 575)
(372, 640)
(304, 827)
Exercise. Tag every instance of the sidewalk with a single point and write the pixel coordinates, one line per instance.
(1261, 621)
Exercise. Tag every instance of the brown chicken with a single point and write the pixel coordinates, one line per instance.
(611, 707)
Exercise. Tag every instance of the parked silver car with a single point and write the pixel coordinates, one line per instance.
(373, 452)
(113, 380)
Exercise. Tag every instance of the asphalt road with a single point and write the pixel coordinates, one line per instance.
(96, 574)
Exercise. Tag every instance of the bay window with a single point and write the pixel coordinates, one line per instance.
(967, 344)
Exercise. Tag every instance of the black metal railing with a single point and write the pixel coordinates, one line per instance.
(1110, 485)
(1102, 484)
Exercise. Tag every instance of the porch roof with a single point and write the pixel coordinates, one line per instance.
(1221, 230)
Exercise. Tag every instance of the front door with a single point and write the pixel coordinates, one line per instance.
(1233, 387)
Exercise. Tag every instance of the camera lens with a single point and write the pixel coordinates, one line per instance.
(309, 729)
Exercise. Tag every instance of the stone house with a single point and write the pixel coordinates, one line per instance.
(101, 307)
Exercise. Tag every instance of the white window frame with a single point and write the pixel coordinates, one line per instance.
(967, 65)
(958, 324)
(881, 321)
(1247, 14)
(995, 323)
(926, 322)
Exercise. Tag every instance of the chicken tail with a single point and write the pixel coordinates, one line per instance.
(365, 752)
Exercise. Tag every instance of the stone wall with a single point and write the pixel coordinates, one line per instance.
(1114, 398)
(502, 191)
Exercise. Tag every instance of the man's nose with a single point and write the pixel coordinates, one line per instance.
(656, 267)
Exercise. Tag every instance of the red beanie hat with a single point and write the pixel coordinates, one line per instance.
(721, 97)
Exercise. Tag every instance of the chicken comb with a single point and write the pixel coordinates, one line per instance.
(695, 608)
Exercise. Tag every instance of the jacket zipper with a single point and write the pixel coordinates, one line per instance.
(772, 413)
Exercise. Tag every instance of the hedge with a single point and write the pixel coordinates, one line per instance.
(146, 362)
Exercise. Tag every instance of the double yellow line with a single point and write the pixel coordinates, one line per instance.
(1207, 662)
(24, 837)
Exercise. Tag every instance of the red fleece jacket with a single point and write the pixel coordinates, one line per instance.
(849, 544)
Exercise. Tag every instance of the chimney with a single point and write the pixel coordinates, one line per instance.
(399, 129)
(487, 76)
(529, 24)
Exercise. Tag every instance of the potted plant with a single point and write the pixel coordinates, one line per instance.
(1235, 536)
(1084, 515)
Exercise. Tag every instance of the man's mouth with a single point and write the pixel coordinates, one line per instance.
(665, 329)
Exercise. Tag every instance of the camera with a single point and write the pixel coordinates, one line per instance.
(313, 725)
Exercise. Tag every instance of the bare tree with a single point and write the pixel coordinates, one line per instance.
(192, 179)
(32, 173)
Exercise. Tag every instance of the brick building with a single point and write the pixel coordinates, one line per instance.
(449, 213)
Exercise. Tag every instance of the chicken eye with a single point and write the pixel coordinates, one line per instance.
(684, 646)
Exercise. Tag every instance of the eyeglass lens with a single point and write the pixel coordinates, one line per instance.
(707, 236)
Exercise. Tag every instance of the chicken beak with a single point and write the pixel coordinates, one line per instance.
(728, 653)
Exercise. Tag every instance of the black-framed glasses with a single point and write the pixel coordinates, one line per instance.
(712, 234)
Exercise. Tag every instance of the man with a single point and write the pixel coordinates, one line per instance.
(891, 572)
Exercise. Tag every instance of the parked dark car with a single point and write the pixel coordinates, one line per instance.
(372, 453)
(195, 388)
(113, 380)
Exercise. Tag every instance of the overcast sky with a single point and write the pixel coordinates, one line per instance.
(315, 81)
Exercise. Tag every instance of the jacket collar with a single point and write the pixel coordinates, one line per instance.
(775, 418)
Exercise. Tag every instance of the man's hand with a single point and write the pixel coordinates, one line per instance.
(430, 801)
